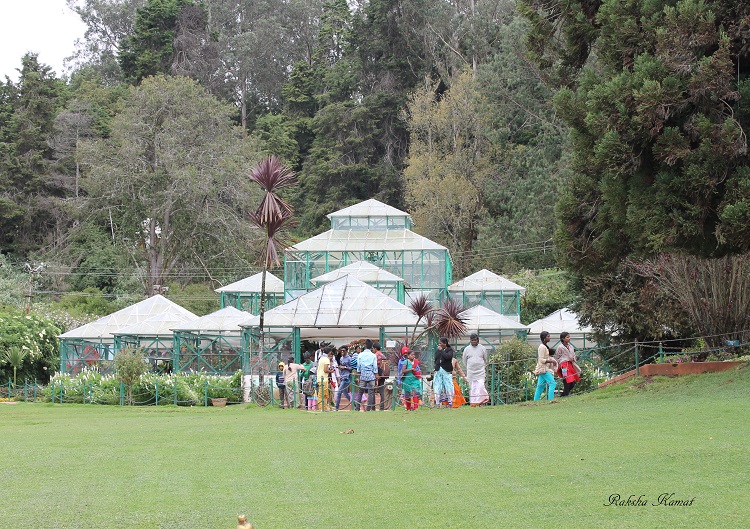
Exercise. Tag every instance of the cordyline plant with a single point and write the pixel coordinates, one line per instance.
(15, 357)
(274, 216)
(441, 321)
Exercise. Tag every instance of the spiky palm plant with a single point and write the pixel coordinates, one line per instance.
(448, 320)
(15, 356)
(424, 310)
(274, 216)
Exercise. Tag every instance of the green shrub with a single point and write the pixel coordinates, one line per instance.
(512, 363)
(130, 365)
(146, 388)
(90, 386)
(37, 336)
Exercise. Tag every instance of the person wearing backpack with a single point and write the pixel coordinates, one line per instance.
(384, 372)
(308, 381)
(290, 372)
(345, 369)
(367, 365)
(281, 385)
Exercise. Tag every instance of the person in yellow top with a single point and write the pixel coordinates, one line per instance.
(325, 367)
(545, 369)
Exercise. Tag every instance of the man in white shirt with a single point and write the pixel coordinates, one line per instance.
(475, 359)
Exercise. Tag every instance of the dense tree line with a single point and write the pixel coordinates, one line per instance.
(656, 96)
(616, 126)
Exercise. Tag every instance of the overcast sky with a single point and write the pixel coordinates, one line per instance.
(46, 27)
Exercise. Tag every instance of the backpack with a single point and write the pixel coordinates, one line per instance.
(384, 367)
(308, 386)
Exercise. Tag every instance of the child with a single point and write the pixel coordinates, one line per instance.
(410, 383)
(281, 385)
(308, 382)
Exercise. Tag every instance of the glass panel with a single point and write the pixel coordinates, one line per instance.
(340, 223)
(397, 223)
(471, 299)
(510, 303)
(378, 223)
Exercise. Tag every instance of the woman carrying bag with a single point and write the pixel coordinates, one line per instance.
(545, 369)
(566, 358)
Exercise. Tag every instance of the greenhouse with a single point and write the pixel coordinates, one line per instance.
(93, 344)
(154, 336)
(564, 320)
(489, 290)
(245, 293)
(341, 311)
(376, 233)
(389, 284)
(212, 343)
(491, 327)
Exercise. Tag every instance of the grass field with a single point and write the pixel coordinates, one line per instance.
(545, 465)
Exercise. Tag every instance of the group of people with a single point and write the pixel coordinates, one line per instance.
(563, 363)
(363, 378)
(445, 387)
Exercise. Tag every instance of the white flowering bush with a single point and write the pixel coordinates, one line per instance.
(90, 386)
(37, 336)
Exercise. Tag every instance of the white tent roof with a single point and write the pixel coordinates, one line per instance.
(559, 321)
(223, 320)
(343, 308)
(159, 325)
(362, 270)
(486, 281)
(356, 240)
(369, 208)
(479, 318)
(254, 284)
(107, 326)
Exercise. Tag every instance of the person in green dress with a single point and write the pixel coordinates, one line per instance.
(410, 383)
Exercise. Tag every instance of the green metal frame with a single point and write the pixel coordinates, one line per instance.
(250, 301)
(411, 265)
(75, 355)
(505, 302)
(215, 353)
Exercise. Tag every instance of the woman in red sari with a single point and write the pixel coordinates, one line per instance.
(568, 369)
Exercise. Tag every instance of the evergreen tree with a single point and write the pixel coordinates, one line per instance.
(28, 194)
(149, 50)
(653, 95)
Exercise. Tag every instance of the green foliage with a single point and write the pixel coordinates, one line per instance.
(149, 50)
(130, 364)
(171, 175)
(15, 356)
(512, 364)
(87, 304)
(198, 298)
(12, 281)
(37, 336)
(92, 387)
(546, 292)
(659, 157)
(31, 209)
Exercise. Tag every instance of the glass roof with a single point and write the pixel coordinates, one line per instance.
(353, 240)
(346, 302)
(362, 270)
(107, 326)
(254, 284)
(484, 281)
(369, 208)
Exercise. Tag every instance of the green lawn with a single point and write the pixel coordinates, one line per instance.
(86, 466)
